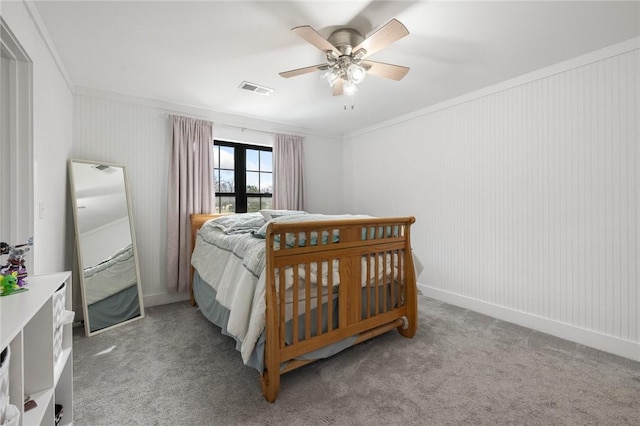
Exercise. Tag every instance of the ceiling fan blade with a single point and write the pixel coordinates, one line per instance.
(338, 88)
(390, 32)
(314, 37)
(380, 69)
(305, 70)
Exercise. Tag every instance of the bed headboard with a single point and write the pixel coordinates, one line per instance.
(197, 220)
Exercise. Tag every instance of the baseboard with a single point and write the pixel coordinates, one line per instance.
(562, 330)
(163, 298)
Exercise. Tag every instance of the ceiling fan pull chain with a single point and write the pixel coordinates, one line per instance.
(352, 104)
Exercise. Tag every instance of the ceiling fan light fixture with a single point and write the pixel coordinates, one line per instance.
(359, 55)
(356, 73)
(349, 88)
(332, 56)
(331, 76)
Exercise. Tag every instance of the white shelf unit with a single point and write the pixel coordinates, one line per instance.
(28, 327)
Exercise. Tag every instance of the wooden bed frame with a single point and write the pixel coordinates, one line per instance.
(364, 312)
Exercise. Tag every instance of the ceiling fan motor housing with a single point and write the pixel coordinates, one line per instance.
(345, 39)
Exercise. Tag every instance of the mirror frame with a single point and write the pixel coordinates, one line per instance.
(85, 306)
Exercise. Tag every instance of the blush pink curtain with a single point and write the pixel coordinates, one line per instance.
(288, 173)
(190, 190)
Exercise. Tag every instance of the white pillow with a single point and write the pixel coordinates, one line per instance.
(271, 214)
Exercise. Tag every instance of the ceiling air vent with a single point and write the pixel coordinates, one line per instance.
(255, 88)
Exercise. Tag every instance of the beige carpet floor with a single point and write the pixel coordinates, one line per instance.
(175, 368)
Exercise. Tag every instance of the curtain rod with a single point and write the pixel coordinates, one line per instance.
(243, 128)
(229, 125)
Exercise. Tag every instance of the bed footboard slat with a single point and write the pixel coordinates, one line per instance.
(319, 298)
(295, 304)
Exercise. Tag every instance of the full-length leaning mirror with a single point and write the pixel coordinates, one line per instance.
(106, 245)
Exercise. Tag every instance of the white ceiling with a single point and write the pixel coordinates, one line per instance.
(198, 53)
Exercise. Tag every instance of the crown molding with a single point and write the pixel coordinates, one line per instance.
(582, 60)
(218, 117)
(32, 10)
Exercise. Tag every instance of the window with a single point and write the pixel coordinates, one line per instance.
(243, 177)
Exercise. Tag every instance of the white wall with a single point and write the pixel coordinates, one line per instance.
(526, 196)
(137, 133)
(52, 141)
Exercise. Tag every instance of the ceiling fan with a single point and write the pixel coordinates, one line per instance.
(346, 50)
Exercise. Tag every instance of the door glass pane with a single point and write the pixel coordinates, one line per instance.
(227, 181)
(227, 205)
(252, 159)
(266, 161)
(253, 204)
(226, 157)
(266, 184)
(253, 186)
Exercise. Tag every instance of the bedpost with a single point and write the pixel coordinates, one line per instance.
(409, 329)
(350, 300)
(197, 220)
(271, 373)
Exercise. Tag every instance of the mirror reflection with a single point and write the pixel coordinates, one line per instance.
(109, 278)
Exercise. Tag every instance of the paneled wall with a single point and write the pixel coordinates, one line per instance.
(137, 133)
(137, 137)
(526, 197)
